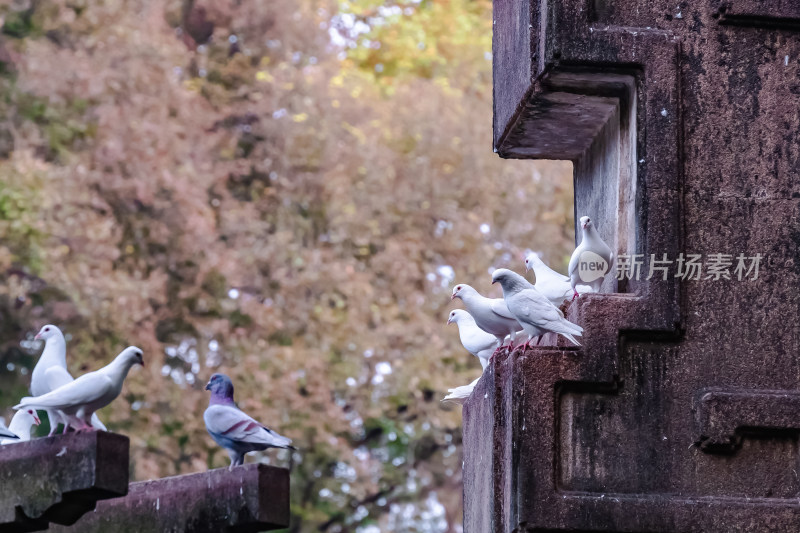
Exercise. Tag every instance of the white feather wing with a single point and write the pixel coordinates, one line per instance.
(57, 376)
(86, 389)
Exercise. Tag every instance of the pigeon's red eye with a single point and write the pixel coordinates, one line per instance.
(47, 329)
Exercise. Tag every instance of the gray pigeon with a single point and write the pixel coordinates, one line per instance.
(476, 341)
(532, 309)
(232, 429)
(490, 314)
(591, 260)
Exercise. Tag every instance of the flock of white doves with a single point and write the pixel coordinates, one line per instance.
(73, 402)
(488, 323)
(483, 329)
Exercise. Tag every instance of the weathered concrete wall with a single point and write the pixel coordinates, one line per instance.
(246, 499)
(58, 479)
(678, 413)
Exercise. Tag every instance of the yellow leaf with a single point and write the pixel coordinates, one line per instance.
(263, 75)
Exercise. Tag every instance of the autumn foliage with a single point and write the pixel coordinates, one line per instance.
(279, 190)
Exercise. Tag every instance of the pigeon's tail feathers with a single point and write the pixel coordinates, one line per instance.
(279, 441)
(7, 435)
(571, 338)
(565, 326)
(460, 394)
(97, 424)
(43, 403)
(457, 395)
(25, 402)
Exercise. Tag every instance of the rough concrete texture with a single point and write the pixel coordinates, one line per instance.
(679, 412)
(248, 498)
(58, 479)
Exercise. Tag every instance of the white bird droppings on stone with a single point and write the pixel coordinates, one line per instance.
(663, 112)
(62, 452)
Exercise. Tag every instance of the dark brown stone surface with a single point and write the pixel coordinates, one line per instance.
(680, 411)
(248, 498)
(58, 479)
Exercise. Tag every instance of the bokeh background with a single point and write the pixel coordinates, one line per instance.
(281, 190)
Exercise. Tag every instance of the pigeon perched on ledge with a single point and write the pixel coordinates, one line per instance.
(21, 426)
(554, 286)
(474, 339)
(234, 430)
(490, 314)
(591, 260)
(51, 373)
(79, 399)
(532, 309)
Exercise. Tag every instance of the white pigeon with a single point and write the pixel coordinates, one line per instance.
(5, 432)
(490, 314)
(586, 264)
(51, 373)
(556, 287)
(532, 309)
(460, 394)
(79, 399)
(233, 429)
(476, 341)
(21, 426)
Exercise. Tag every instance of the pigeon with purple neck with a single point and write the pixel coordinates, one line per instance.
(234, 430)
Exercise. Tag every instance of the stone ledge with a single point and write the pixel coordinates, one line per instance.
(248, 498)
(58, 479)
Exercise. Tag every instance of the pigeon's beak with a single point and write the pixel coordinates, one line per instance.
(38, 337)
(453, 297)
(494, 281)
(208, 386)
(36, 420)
(527, 268)
(449, 321)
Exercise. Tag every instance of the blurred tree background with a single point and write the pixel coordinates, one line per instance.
(281, 190)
